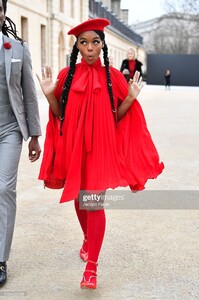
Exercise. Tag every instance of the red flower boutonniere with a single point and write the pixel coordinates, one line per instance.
(7, 45)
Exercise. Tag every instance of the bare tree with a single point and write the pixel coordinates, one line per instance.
(182, 6)
(177, 31)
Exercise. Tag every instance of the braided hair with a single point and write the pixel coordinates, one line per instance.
(109, 83)
(69, 78)
(9, 26)
(67, 83)
(106, 63)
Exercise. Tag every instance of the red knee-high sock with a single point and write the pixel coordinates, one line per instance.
(82, 217)
(96, 224)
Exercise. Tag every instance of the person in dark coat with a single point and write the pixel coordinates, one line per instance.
(130, 65)
(167, 77)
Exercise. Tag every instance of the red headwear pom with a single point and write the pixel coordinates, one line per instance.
(91, 24)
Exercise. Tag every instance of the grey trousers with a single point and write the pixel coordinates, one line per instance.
(10, 152)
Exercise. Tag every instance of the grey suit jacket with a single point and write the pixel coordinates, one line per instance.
(21, 87)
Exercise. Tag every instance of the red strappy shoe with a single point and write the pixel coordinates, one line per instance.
(83, 253)
(89, 280)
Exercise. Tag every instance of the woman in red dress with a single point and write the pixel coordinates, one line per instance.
(96, 136)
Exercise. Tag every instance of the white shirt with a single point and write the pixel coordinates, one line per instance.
(1, 39)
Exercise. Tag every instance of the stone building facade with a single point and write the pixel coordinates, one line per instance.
(45, 24)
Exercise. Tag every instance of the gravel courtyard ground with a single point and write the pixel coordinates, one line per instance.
(148, 253)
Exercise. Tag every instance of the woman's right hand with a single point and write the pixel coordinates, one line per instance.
(46, 83)
(48, 87)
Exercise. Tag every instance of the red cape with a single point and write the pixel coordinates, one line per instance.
(93, 153)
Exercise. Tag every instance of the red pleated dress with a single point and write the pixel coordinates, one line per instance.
(93, 152)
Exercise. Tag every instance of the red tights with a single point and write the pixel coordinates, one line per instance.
(93, 224)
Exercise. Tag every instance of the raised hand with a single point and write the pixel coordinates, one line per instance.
(46, 83)
(48, 87)
(135, 85)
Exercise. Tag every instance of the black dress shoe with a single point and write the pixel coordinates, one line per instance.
(3, 273)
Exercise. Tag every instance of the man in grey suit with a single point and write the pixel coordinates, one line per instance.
(19, 119)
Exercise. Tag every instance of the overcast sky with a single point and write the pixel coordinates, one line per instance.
(143, 10)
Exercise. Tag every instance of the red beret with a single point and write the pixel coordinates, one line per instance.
(91, 24)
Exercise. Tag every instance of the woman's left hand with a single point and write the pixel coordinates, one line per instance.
(135, 85)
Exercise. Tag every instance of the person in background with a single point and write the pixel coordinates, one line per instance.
(167, 77)
(96, 137)
(19, 119)
(130, 65)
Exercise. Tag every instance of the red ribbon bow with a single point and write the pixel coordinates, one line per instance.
(88, 82)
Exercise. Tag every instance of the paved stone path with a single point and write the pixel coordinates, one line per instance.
(147, 253)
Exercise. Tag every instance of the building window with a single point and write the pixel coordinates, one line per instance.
(61, 56)
(43, 45)
(24, 29)
(61, 6)
(67, 60)
(72, 8)
(81, 10)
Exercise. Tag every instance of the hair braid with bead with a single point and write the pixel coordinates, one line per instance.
(68, 81)
(9, 28)
(109, 83)
(106, 63)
